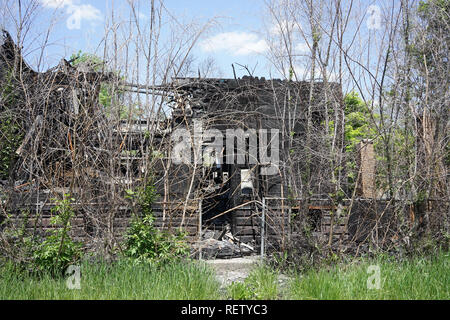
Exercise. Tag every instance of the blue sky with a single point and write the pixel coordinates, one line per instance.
(236, 38)
(239, 20)
(79, 25)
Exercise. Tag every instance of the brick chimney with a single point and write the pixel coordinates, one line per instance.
(366, 162)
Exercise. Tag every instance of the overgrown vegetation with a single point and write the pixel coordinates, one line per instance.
(118, 280)
(262, 284)
(360, 124)
(37, 254)
(419, 278)
(144, 242)
(52, 253)
(11, 137)
(58, 250)
(398, 96)
(109, 95)
(11, 133)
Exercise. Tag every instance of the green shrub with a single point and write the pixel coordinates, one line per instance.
(57, 251)
(143, 240)
(30, 253)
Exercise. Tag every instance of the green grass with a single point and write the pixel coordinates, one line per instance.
(418, 278)
(262, 283)
(415, 279)
(123, 280)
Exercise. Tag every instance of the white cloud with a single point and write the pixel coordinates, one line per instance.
(142, 16)
(56, 3)
(301, 47)
(303, 73)
(279, 27)
(81, 12)
(76, 12)
(235, 43)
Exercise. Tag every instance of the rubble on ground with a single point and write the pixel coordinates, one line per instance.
(216, 245)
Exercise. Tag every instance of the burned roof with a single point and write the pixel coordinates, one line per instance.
(11, 59)
(247, 94)
(10, 54)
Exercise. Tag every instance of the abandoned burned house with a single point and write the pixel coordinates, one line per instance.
(240, 160)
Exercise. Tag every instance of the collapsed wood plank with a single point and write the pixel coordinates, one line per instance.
(34, 127)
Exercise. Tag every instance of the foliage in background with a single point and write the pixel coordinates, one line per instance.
(96, 64)
(358, 126)
(108, 93)
(432, 55)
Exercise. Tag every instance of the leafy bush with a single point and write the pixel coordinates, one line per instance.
(58, 250)
(29, 253)
(143, 240)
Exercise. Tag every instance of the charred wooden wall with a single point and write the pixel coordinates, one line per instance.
(34, 211)
(253, 103)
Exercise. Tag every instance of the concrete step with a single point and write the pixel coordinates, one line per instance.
(233, 264)
(232, 270)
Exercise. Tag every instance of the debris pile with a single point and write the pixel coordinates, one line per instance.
(220, 245)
